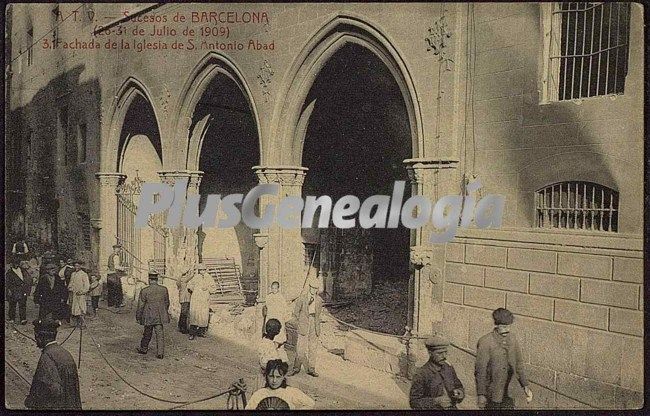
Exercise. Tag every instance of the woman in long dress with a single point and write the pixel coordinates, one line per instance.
(201, 287)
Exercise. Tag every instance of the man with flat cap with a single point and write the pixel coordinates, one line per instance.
(45, 294)
(306, 313)
(55, 385)
(114, 275)
(435, 385)
(498, 359)
(153, 312)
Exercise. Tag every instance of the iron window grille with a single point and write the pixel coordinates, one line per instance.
(577, 206)
(586, 49)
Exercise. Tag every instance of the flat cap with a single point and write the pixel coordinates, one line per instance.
(153, 274)
(436, 342)
(46, 324)
(502, 316)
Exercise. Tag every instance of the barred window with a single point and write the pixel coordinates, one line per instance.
(577, 206)
(586, 49)
(84, 223)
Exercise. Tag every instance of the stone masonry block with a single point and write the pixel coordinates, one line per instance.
(577, 313)
(484, 298)
(555, 286)
(626, 321)
(464, 274)
(480, 323)
(598, 394)
(453, 293)
(455, 252)
(628, 270)
(533, 260)
(624, 295)
(506, 279)
(585, 265)
(549, 343)
(485, 255)
(529, 305)
(456, 324)
(632, 364)
(590, 350)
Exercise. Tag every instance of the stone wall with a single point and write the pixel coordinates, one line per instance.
(578, 302)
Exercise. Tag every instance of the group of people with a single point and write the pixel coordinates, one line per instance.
(436, 386)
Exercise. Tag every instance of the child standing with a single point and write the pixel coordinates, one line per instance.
(95, 292)
(277, 308)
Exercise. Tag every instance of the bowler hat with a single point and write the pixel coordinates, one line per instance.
(436, 342)
(46, 324)
(502, 316)
(153, 274)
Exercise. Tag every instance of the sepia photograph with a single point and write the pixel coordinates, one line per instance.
(332, 206)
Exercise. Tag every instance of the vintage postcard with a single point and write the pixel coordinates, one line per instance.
(222, 206)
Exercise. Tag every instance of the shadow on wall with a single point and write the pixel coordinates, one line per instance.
(52, 154)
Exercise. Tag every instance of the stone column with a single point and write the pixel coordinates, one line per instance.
(107, 221)
(284, 252)
(433, 179)
(181, 251)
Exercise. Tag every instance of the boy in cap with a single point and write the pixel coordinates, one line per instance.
(55, 385)
(498, 358)
(152, 313)
(306, 312)
(435, 385)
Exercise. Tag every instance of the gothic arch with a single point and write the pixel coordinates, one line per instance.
(212, 65)
(288, 118)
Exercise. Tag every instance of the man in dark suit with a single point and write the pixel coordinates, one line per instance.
(46, 294)
(153, 312)
(498, 359)
(18, 285)
(306, 312)
(55, 385)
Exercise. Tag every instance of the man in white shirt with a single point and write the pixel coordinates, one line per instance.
(18, 286)
(277, 308)
(307, 311)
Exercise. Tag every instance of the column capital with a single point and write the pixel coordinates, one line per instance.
(171, 176)
(283, 175)
(261, 239)
(416, 168)
(110, 179)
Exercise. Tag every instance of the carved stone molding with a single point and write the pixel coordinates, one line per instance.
(261, 239)
(420, 256)
(417, 168)
(283, 175)
(110, 179)
(265, 76)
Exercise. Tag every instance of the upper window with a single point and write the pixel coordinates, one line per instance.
(577, 206)
(586, 49)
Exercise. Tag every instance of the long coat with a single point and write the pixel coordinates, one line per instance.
(56, 382)
(46, 292)
(15, 287)
(153, 305)
(432, 381)
(498, 358)
(301, 313)
(78, 288)
(201, 287)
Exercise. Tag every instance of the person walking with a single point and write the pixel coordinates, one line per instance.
(114, 278)
(55, 385)
(153, 313)
(18, 286)
(435, 385)
(498, 359)
(200, 287)
(95, 292)
(307, 312)
(184, 297)
(78, 288)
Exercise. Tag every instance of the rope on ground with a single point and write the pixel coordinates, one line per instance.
(230, 393)
(30, 338)
(182, 403)
(18, 372)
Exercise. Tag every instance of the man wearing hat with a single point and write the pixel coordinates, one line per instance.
(18, 285)
(153, 312)
(306, 312)
(435, 385)
(78, 289)
(65, 273)
(498, 358)
(114, 278)
(55, 385)
(45, 294)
